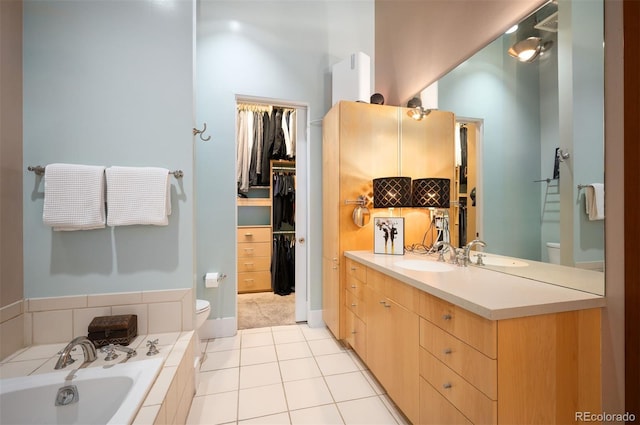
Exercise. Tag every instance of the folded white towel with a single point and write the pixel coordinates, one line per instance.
(595, 201)
(138, 195)
(73, 197)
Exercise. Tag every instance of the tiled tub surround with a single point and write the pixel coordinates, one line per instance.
(11, 328)
(167, 401)
(60, 319)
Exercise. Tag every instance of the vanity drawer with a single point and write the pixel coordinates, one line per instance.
(356, 270)
(356, 331)
(254, 281)
(254, 249)
(476, 331)
(473, 404)
(355, 304)
(254, 264)
(437, 410)
(403, 294)
(354, 286)
(254, 234)
(375, 279)
(471, 364)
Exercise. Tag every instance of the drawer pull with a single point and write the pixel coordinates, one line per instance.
(248, 249)
(353, 332)
(446, 385)
(382, 302)
(353, 304)
(353, 286)
(446, 316)
(248, 264)
(249, 280)
(387, 305)
(354, 268)
(248, 234)
(447, 351)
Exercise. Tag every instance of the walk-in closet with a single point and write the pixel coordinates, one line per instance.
(266, 137)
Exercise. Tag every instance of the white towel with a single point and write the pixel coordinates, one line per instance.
(594, 201)
(73, 197)
(138, 195)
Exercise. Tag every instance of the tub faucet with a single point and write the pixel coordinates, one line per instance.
(467, 250)
(88, 349)
(445, 245)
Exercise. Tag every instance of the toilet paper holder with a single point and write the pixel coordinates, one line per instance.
(211, 280)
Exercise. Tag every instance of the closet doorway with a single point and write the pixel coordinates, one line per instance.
(272, 177)
(468, 182)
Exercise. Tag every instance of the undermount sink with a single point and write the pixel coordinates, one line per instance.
(490, 260)
(424, 265)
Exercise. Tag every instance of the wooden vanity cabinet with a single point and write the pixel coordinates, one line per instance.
(528, 370)
(442, 364)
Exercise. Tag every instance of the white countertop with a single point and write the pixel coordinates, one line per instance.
(488, 293)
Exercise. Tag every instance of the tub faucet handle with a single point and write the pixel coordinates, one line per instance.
(153, 349)
(110, 350)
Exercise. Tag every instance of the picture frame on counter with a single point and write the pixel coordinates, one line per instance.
(388, 235)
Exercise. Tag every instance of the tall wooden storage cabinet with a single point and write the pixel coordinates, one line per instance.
(362, 142)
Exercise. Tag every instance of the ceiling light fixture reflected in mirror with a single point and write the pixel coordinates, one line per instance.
(529, 49)
(512, 29)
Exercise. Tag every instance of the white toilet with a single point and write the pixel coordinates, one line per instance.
(202, 312)
(553, 249)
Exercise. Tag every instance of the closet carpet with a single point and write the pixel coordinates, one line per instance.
(263, 309)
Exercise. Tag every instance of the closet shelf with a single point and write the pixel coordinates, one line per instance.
(254, 202)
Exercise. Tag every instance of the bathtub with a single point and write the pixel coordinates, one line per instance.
(105, 394)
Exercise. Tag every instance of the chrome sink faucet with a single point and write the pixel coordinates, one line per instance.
(467, 250)
(88, 349)
(445, 245)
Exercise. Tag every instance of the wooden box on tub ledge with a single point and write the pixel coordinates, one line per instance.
(119, 329)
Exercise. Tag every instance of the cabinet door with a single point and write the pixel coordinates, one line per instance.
(376, 334)
(403, 361)
(355, 330)
(331, 295)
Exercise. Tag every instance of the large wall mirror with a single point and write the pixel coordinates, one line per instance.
(538, 127)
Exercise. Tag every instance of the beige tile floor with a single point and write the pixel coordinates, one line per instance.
(287, 375)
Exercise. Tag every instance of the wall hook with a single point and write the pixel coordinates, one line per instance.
(201, 132)
(562, 155)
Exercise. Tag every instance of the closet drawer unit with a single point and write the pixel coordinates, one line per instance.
(354, 286)
(254, 249)
(476, 331)
(471, 364)
(254, 234)
(437, 410)
(473, 404)
(356, 331)
(254, 281)
(356, 270)
(355, 304)
(254, 264)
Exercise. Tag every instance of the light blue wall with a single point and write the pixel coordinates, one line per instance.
(588, 123)
(108, 83)
(502, 92)
(273, 49)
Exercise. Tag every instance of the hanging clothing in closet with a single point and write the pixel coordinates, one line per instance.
(283, 264)
(264, 132)
(284, 199)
